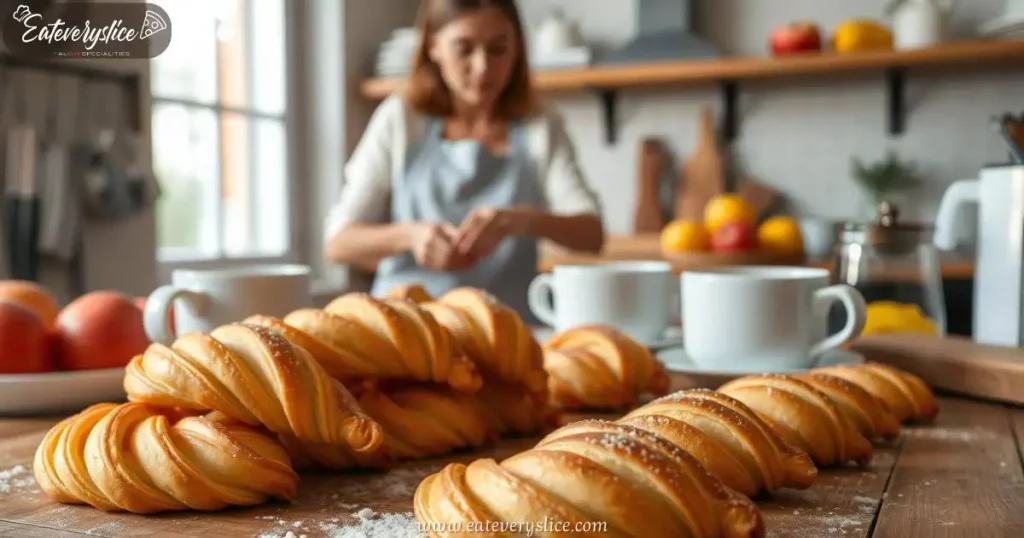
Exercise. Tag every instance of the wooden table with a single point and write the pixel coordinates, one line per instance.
(960, 477)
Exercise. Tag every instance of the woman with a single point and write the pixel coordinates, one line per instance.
(454, 182)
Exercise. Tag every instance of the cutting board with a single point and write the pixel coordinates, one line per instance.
(652, 162)
(703, 175)
(955, 364)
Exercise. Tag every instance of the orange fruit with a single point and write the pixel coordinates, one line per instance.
(31, 296)
(685, 236)
(781, 235)
(726, 208)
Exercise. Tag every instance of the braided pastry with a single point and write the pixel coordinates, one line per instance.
(597, 367)
(139, 458)
(867, 414)
(906, 395)
(728, 438)
(411, 292)
(254, 375)
(629, 480)
(358, 337)
(803, 415)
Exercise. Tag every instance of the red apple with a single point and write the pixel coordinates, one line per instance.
(794, 38)
(25, 340)
(734, 237)
(102, 329)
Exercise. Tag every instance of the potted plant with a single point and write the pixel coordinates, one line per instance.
(883, 179)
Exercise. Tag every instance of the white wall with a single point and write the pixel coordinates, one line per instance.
(796, 136)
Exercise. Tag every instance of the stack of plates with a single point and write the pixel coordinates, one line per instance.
(395, 55)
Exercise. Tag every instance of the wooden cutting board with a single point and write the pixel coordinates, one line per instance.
(955, 364)
(651, 162)
(703, 175)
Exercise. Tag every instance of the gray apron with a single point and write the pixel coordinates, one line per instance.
(444, 181)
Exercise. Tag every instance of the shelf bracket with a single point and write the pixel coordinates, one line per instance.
(895, 82)
(730, 118)
(609, 109)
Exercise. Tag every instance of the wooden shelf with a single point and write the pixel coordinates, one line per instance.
(608, 80)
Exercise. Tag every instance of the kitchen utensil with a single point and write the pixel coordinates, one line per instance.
(685, 374)
(21, 203)
(890, 260)
(204, 300)
(652, 160)
(59, 202)
(1011, 130)
(956, 364)
(763, 318)
(999, 265)
(635, 297)
(703, 173)
(760, 196)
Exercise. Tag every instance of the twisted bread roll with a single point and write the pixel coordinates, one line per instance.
(252, 374)
(867, 414)
(358, 337)
(803, 415)
(411, 292)
(634, 482)
(139, 458)
(418, 422)
(906, 395)
(597, 367)
(728, 438)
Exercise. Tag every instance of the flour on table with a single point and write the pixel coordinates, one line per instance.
(374, 525)
(16, 477)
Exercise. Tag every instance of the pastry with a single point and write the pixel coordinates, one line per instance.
(906, 395)
(598, 367)
(804, 416)
(357, 337)
(728, 438)
(627, 481)
(140, 458)
(411, 292)
(418, 422)
(254, 375)
(867, 414)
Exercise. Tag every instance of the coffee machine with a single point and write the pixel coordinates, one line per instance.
(999, 267)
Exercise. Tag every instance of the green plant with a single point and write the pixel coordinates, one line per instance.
(886, 176)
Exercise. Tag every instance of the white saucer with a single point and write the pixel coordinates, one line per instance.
(671, 338)
(59, 393)
(687, 375)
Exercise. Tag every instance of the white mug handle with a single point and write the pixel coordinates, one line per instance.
(856, 314)
(538, 296)
(156, 317)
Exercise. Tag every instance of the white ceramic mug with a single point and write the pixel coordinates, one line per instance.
(206, 299)
(765, 319)
(634, 297)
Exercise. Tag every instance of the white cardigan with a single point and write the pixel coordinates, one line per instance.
(381, 155)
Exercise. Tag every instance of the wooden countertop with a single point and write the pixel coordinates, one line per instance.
(645, 247)
(961, 476)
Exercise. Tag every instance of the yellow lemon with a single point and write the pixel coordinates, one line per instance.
(893, 317)
(780, 235)
(727, 208)
(685, 236)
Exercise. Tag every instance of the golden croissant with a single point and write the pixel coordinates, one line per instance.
(621, 481)
(140, 458)
(804, 416)
(598, 367)
(418, 422)
(358, 337)
(866, 412)
(252, 374)
(411, 292)
(905, 395)
(728, 438)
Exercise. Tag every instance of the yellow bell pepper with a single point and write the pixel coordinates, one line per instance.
(857, 35)
(892, 317)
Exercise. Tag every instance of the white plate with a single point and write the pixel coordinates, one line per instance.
(672, 338)
(687, 375)
(59, 392)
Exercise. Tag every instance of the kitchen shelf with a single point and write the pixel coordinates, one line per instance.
(727, 73)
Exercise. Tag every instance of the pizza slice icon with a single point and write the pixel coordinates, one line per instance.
(152, 24)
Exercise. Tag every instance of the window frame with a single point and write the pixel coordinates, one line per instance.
(171, 258)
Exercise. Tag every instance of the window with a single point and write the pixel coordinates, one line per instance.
(219, 132)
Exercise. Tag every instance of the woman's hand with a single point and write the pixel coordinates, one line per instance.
(434, 247)
(485, 229)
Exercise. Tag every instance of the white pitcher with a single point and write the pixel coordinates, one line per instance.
(920, 23)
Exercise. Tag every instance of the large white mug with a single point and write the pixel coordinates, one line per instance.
(206, 299)
(634, 297)
(765, 319)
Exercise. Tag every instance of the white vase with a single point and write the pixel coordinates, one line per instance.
(919, 24)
